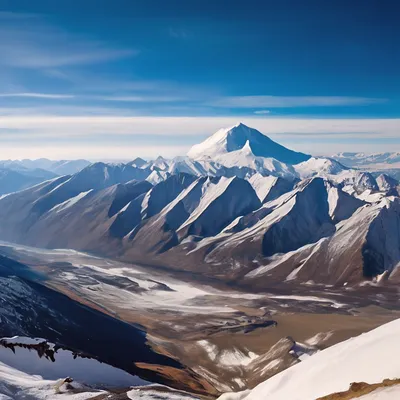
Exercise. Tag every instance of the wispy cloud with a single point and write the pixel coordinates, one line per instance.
(38, 95)
(262, 112)
(29, 42)
(192, 126)
(142, 99)
(292, 101)
(178, 33)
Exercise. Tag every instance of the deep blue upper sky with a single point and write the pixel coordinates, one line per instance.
(241, 59)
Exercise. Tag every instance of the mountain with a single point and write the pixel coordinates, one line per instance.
(386, 183)
(365, 181)
(235, 138)
(59, 214)
(138, 162)
(201, 210)
(242, 151)
(291, 221)
(255, 247)
(324, 167)
(13, 181)
(370, 161)
(208, 223)
(362, 247)
(347, 364)
(132, 217)
(275, 221)
(269, 188)
(59, 167)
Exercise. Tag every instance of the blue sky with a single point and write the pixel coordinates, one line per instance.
(117, 79)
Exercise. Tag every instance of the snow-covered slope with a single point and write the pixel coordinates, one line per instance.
(26, 373)
(235, 138)
(361, 359)
(319, 166)
(270, 187)
(16, 384)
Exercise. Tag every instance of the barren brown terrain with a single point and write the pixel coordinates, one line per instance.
(226, 339)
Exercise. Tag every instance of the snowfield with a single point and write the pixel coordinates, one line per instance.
(87, 370)
(15, 384)
(25, 375)
(370, 357)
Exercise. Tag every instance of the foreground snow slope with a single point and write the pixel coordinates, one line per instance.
(15, 384)
(371, 357)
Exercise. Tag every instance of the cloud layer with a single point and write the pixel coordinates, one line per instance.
(116, 137)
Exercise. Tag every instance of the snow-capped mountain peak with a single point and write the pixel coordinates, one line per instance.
(239, 137)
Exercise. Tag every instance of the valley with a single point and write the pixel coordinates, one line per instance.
(227, 339)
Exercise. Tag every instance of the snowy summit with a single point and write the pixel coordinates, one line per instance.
(239, 137)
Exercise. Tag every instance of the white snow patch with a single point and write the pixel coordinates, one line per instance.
(227, 358)
(308, 298)
(70, 202)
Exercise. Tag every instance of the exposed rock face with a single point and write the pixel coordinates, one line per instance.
(386, 183)
(291, 221)
(364, 181)
(202, 210)
(149, 204)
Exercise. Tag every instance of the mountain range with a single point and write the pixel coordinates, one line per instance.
(226, 209)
